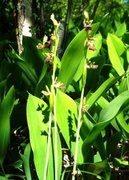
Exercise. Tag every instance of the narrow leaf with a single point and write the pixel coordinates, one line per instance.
(95, 96)
(72, 58)
(106, 116)
(115, 50)
(6, 108)
(26, 161)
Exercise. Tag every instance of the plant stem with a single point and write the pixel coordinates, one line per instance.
(53, 91)
(55, 130)
(48, 146)
(52, 104)
(55, 134)
(78, 132)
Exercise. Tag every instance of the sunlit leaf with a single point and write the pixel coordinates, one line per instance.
(66, 118)
(72, 58)
(120, 162)
(121, 28)
(37, 120)
(115, 50)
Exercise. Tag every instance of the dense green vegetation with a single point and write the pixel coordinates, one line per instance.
(64, 99)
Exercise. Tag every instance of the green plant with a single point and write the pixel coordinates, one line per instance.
(78, 122)
(70, 117)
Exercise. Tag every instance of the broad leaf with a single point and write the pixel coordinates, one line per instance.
(67, 119)
(121, 28)
(37, 120)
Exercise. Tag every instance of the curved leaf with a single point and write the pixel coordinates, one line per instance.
(94, 97)
(106, 116)
(26, 161)
(115, 50)
(6, 108)
(72, 58)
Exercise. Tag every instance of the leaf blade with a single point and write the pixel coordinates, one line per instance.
(106, 116)
(6, 108)
(71, 58)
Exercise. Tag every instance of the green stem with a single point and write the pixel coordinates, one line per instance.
(55, 131)
(78, 132)
(48, 146)
(55, 134)
(53, 91)
(79, 121)
(52, 104)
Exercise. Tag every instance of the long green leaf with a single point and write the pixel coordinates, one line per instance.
(59, 153)
(26, 161)
(72, 58)
(102, 102)
(106, 116)
(6, 108)
(94, 97)
(122, 123)
(28, 71)
(38, 129)
(66, 118)
(32, 55)
(40, 84)
(115, 50)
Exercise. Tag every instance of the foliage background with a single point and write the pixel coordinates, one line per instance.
(104, 131)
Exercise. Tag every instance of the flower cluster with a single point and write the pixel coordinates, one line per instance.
(39, 46)
(90, 44)
(91, 65)
(87, 25)
(47, 42)
(88, 28)
(90, 40)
